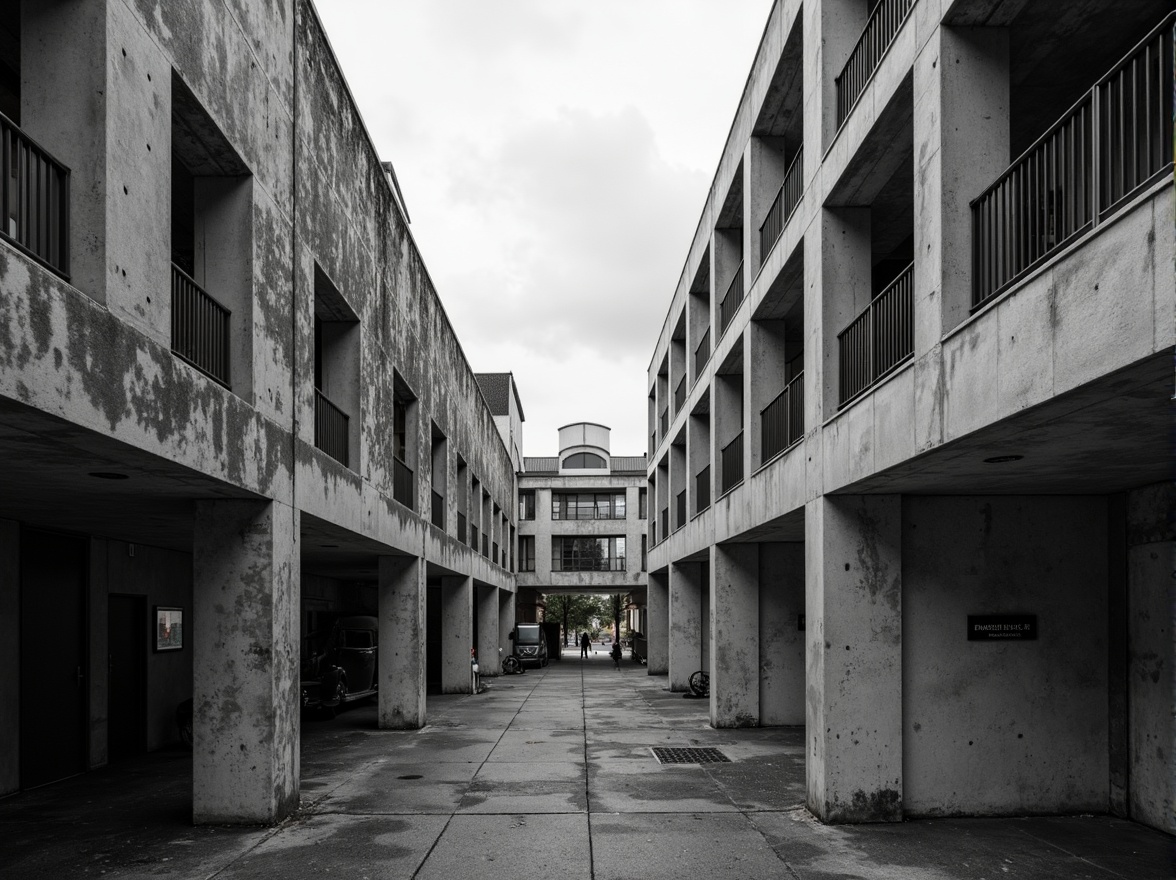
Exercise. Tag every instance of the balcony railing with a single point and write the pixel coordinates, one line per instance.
(576, 562)
(680, 396)
(878, 339)
(702, 353)
(782, 420)
(664, 523)
(681, 509)
(783, 205)
(438, 511)
(883, 24)
(403, 484)
(461, 527)
(1114, 141)
(732, 461)
(731, 301)
(200, 328)
(702, 490)
(34, 191)
(330, 428)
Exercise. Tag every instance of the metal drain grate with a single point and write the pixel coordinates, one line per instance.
(667, 755)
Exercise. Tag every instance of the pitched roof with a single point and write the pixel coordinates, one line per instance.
(497, 388)
(541, 465)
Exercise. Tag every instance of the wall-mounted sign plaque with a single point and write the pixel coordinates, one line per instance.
(1002, 627)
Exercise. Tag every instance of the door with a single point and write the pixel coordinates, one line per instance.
(53, 679)
(126, 709)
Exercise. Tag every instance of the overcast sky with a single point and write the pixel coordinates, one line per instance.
(555, 157)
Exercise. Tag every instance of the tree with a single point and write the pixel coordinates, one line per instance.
(573, 610)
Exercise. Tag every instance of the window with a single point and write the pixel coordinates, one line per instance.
(526, 505)
(588, 554)
(588, 505)
(580, 460)
(643, 542)
(526, 552)
(643, 504)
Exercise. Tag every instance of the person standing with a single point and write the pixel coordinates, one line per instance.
(585, 644)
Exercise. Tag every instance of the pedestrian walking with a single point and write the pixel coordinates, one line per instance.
(585, 644)
(616, 654)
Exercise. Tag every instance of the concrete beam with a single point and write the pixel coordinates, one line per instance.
(402, 639)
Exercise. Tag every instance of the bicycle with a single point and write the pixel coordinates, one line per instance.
(512, 666)
(699, 684)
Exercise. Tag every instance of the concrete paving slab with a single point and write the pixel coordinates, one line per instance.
(402, 788)
(539, 745)
(510, 847)
(627, 787)
(557, 771)
(661, 846)
(525, 796)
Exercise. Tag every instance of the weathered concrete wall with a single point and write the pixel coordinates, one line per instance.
(781, 603)
(1004, 727)
(733, 634)
(1151, 681)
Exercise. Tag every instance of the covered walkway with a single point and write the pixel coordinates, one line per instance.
(549, 773)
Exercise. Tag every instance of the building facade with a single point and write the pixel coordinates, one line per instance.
(230, 401)
(911, 465)
(582, 520)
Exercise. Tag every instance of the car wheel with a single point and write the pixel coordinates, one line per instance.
(510, 665)
(338, 698)
(543, 663)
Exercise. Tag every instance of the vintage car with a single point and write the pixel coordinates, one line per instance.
(339, 663)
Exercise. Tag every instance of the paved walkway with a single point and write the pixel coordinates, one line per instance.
(549, 774)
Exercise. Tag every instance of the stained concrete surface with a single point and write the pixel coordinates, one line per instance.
(490, 790)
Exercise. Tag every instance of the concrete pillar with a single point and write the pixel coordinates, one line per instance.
(457, 634)
(244, 636)
(845, 288)
(506, 620)
(657, 626)
(401, 602)
(853, 600)
(9, 655)
(686, 624)
(734, 635)
(488, 630)
(781, 595)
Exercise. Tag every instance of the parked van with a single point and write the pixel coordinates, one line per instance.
(530, 644)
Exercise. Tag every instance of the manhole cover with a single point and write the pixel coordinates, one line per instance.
(667, 755)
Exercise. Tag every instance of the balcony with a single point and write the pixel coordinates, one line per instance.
(664, 523)
(485, 544)
(879, 32)
(438, 510)
(577, 562)
(702, 490)
(403, 484)
(681, 509)
(782, 206)
(1115, 141)
(474, 538)
(680, 396)
(731, 301)
(877, 340)
(782, 420)
(461, 527)
(732, 464)
(494, 553)
(200, 332)
(664, 422)
(35, 192)
(702, 353)
(330, 428)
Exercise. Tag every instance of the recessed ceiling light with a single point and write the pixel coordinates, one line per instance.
(108, 475)
(1001, 459)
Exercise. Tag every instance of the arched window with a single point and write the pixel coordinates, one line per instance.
(584, 460)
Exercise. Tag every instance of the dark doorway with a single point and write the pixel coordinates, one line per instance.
(53, 669)
(126, 709)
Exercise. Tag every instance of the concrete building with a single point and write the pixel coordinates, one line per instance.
(909, 410)
(581, 519)
(230, 401)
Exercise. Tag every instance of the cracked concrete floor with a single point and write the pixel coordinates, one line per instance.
(547, 773)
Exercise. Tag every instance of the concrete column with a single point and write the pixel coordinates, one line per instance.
(506, 620)
(402, 643)
(657, 626)
(734, 635)
(845, 288)
(686, 626)
(488, 630)
(457, 634)
(853, 600)
(9, 655)
(781, 595)
(244, 636)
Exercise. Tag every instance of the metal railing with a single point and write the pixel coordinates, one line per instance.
(438, 510)
(1114, 141)
(878, 339)
(783, 205)
(681, 509)
(876, 37)
(731, 301)
(330, 428)
(702, 490)
(586, 562)
(461, 527)
(199, 328)
(702, 353)
(403, 484)
(732, 462)
(782, 420)
(680, 395)
(34, 191)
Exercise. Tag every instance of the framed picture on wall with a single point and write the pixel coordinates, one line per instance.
(169, 628)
